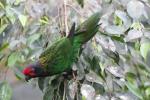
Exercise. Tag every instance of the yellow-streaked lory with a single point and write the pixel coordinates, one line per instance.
(60, 56)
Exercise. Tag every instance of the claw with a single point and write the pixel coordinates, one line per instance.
(27, 78)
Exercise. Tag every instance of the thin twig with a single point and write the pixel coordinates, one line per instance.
(5, 73)
(65, 18)
(59, 19)
(64, 95)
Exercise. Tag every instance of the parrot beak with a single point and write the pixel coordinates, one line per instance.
(27, 78)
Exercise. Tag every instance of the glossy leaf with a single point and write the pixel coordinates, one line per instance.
(4, 46)
(134, 89)
(88, 92)
(115, 30)
(10, 14)
(133, 34)
(117, 21)
(133, 7)
(49, 93)
(13, 58)
(3, 28)
(23, 20)
(148, 58)
(33, 38)
(18, 73)
(1, 5)
(145, 47)
(147, 91)
(5, 91)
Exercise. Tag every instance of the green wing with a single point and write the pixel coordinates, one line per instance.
(57, 58)
(60, 56)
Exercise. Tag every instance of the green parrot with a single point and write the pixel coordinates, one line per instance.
(59, 57)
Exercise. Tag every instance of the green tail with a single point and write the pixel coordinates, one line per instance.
(84, 33)
(87, 29)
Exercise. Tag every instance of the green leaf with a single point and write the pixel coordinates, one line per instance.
(81, 3)
(130, 77)
(49, 93)
(147, 91)
(134, 89)
(118, 21)
(19, 74)
(108, 1)
(143, 66)
(117, 38)
(136, 26)
(10, 14)
(144, 49)
(2, 28)
(1, 56)
(3, 2)
(44, 20)
(4, 46)
(43, 83)
(1, 5)
(23, 19)
(2, 17)
(13, 58)
(148, 58)
(113, 37)
(83, 98)
(17, 2)
(33, 38)
(5, 91)
(98, 88)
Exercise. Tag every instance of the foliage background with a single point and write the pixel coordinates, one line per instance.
(114, 64)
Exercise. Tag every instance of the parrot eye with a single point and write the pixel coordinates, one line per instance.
(32, 69)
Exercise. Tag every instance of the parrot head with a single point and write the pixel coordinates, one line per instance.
(33, 71)
(29, 72)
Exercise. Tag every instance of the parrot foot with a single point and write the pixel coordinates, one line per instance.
(70, 74)
(74, 74)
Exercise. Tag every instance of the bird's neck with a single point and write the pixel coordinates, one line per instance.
(37, 64)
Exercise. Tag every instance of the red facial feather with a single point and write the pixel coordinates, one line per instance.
(27, 71)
